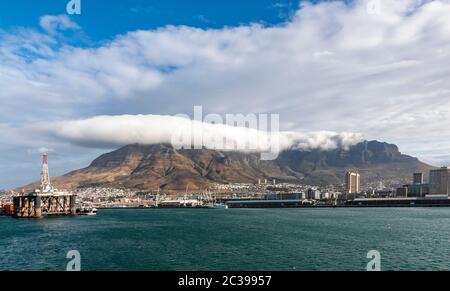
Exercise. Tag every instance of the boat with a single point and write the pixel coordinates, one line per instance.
(212, 202)
(89, 211)
(218, 206)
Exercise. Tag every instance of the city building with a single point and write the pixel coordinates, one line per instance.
(416, 189)
(402, 191)
(418, 178)
(326, 196)
(313, 194)
(440, 181)
(352, 183)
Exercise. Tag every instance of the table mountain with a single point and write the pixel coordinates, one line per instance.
(149, 167)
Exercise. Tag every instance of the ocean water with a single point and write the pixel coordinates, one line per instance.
(233, 239)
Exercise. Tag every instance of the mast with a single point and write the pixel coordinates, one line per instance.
(45, 176)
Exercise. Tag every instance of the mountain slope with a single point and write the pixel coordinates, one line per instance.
(149, 167)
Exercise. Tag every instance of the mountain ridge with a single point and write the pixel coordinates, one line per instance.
(160, 166)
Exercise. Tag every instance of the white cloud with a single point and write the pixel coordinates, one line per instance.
(54, 23)
(114, 131)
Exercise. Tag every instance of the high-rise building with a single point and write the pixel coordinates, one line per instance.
(418, 178)
(440, 181)
(352, 183)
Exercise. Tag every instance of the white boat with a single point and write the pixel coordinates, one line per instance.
(92, 211)
(218, 206)
(87, 211)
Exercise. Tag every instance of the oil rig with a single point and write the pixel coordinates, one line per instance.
(45, 201)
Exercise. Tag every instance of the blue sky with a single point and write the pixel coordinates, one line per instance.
(78, 86)
(102, 21)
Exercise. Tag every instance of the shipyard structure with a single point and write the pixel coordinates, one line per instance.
(45, 201)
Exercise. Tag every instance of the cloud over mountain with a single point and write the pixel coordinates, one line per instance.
(114, 131)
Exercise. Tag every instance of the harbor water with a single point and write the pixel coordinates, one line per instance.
(232, 239)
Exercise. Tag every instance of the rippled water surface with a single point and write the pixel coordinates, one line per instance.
(233, 239)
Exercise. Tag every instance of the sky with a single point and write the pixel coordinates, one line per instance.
(334, 72)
